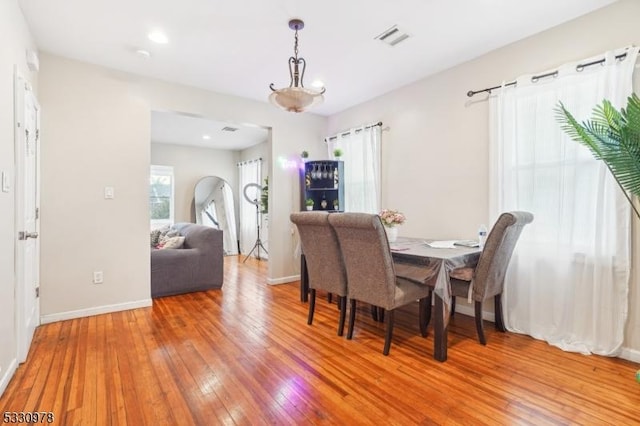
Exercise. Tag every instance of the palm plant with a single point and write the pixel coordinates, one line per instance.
(612, 136)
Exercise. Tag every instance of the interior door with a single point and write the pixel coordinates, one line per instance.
(27, 134)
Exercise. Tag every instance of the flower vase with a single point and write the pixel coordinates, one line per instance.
(392, 233)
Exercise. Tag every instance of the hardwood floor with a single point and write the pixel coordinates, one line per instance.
(245, 355)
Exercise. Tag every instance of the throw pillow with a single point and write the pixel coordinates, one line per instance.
(171, 233)
(155, 237)
(171, 243)
(157, 234)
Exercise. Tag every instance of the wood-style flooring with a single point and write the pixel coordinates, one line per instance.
(245, 355)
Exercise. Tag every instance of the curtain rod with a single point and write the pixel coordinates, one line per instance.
(379, 123)
(248, 161)
(535, 78)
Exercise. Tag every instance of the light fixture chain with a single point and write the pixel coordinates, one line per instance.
(295, 46)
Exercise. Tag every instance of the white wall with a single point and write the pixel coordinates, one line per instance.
(435, 154)
(261, 150)
(96, 123)
(14, 40)
(190, 164)
(95, 134)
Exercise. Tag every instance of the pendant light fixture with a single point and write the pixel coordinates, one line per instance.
(296, 98)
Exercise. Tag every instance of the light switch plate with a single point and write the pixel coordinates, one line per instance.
(109, 193)
(6, 186)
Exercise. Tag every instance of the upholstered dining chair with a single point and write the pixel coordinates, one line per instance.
(486, 280)
(372, 276)
(324, 260)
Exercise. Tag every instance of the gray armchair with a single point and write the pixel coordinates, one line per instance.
(198, 266)
(371, 272)
(324, 260)
(487, 278)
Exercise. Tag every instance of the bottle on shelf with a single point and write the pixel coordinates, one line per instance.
(323, 203)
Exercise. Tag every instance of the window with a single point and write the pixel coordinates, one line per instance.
(161, 196)
(573, 260)
(361, 149)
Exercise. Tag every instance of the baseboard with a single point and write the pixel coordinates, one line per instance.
(106, 309)
(629, 354)
(469, 310)
(632, 355)
(283, 280)
(8, 374)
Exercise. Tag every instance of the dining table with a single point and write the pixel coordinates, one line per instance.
(439, 258)
(431, 261)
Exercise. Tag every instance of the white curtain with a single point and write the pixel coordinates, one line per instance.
(361, 156)
(568, 280)
(249, 172)
(230, 237)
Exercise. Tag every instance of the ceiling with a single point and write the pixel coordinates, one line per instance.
(240, 47)
(183, 129)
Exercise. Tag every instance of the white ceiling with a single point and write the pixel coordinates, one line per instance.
(189, 130)
(240, 47)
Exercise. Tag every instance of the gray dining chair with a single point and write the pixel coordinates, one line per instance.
(324, 260)
(486, 280)
(371, 273)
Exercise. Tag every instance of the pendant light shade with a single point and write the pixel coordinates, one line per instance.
(296, 97)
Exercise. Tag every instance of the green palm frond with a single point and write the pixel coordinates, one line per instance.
(607, 115)
(576, 131)
(612, 136)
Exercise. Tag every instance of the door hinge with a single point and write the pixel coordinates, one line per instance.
(37, 212)
(37, 292)
(37, 134)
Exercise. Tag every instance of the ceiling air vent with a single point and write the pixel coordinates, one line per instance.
(229, 129)
(392, 36)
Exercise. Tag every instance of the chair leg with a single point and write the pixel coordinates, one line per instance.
(453, 306)
(499, 318)
(389, 333)
(422, 309)
(352, 318)
(342, 302)
(330, 298)
(374, 313)
(479, 326)
(380, 314)
(312, 305)
(427, 313)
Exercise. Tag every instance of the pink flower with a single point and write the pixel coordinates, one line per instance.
(391, 217)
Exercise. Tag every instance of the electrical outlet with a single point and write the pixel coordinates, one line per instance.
(98, 278)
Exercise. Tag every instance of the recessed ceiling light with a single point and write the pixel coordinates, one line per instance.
(318, 84)
(206, 137)
(158, 37)
(143, 53)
